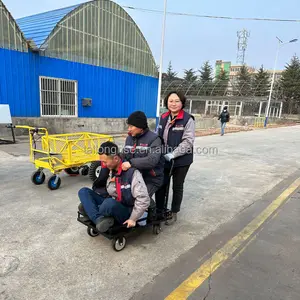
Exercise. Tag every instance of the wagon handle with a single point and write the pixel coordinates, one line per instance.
(32, 131)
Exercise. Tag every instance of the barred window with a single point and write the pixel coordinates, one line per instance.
(58, 97)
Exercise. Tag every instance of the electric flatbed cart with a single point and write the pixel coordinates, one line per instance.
(118, 233)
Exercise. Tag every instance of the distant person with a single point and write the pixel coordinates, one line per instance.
(177, 128)
(224, 117)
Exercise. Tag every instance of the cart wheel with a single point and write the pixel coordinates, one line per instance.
(72, 171)
(95, 169)
(156, 229)
(92, 232)
(119, 243)
(84, 171)
(54, 182)
(38, 177)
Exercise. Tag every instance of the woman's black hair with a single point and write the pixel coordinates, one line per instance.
(180, 95)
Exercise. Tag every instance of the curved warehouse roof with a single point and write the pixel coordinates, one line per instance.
(98, 32)
(38, 27)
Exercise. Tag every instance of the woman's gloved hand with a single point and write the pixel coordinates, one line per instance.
(169, 156)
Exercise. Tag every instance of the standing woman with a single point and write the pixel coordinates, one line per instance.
(177, 128)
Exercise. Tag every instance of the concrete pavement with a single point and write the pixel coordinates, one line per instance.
(46, 254)
(253, 256)
(268, 268)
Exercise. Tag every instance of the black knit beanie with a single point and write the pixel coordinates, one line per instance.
(138, 119)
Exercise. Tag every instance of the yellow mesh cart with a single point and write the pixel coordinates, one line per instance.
(74, 153)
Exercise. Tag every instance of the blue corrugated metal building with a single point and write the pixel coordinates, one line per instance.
(88, 60)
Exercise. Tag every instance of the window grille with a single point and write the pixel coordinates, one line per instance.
(58, 97)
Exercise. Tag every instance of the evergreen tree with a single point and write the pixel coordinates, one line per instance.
(206, 72)
(190, 75)
(206, 79)
(290, 83)
(171, 74)
(244, 82)
(223, 75)
(221, 84)
(261, 83)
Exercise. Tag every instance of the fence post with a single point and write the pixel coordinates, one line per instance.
(260, 107)
(280, 110)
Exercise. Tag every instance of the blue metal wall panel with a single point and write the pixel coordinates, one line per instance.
(114, 93)
(19, 83)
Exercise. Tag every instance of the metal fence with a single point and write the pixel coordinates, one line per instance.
(241, 98)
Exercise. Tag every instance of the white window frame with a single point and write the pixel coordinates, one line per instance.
(59, 97)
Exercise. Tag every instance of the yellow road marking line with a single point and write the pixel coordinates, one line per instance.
(246, 245)
(186, 288)
(255, 235)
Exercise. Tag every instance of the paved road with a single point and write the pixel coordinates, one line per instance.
(254, 256)
(46, 254)
(268, 268)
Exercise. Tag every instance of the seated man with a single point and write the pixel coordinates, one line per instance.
(117, 195)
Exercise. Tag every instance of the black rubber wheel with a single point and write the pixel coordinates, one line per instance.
(38, 177)
(95, 169)
(156, 229)
(51, 183)
(92, 232)
(84, 171)
(119, 243)
(72, 171)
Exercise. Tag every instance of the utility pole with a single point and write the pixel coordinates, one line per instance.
(280, 44)
(161, 64)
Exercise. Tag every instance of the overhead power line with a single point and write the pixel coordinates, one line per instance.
(213, 17)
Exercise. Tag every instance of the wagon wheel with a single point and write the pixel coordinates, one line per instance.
(54, 182)
(72, 171)
(119, 243)
(92, 232)
(38, 177)
(95, 169)
(84, 171)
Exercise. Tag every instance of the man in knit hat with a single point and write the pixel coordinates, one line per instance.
(144, 151)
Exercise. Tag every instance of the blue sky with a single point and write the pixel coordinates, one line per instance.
(191, 41)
